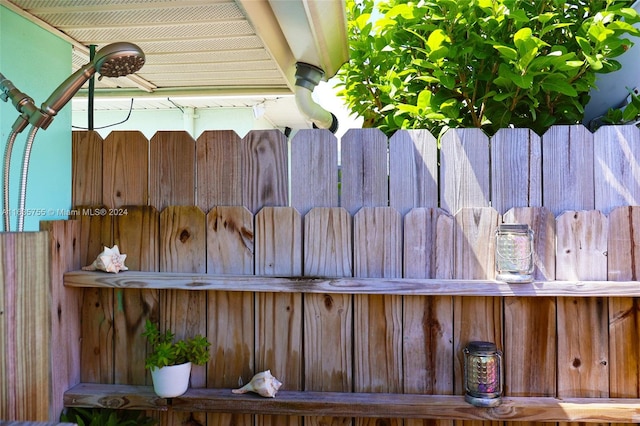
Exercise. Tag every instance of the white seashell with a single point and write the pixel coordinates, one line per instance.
(264, 384)
(110, 260)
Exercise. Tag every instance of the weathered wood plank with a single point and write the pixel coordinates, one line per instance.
(125, 173)
(137, 236)
(530, 324)
(219, 169)
(25, 286)
(364, 169)
(616, 172)
(413, 170)
(182, 239)
(377, 243)
(452, 407)
(328, 318)
(516, 169)
(464, 171)
(182, 249)
(279, 316)
(624, 313)
(567, 169)
(65, 309)
(428, 320)
(96, 355)
(172, 169)
(314, 170)
(583, 350)
(86, 168)
(231, 323)
(230, 241)
(476, 318)
(264, 167)
(294, 284)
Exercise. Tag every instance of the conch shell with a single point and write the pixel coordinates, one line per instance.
(264, 384)
(110, 260)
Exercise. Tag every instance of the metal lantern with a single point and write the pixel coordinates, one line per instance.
(514, 253)
(482, 374)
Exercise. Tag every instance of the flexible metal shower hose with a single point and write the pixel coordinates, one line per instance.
(22, 200)
(5, 181)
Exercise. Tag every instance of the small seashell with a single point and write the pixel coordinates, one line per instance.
(110, 260)
(264, 384)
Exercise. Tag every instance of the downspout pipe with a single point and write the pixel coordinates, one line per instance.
(307, 78)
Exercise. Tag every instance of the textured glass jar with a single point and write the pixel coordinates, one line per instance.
(514, 253)
(482, 374)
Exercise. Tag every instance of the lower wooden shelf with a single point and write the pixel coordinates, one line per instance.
(340, 404)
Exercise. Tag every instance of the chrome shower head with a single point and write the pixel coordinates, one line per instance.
(119, 59)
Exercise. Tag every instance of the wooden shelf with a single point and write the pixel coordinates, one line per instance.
(399, 286)
(448, 407)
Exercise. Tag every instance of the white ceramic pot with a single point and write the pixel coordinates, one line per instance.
(171, 381)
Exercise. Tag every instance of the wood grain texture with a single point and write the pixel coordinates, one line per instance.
(427, 321)
(624, 313)
(172, 169)
(182, 239)
(516, 169)
(278, 335)
(413, 170)
(464, 170)
(567, 169)
(328, 318)
(377, 244)
(616, 173)
(86, 168)
(137, 235)
(230, 242)
(476, 318)
(65, 309)
(314, 170)
(182, 246)
(125, 169)
(264, 170)
(25, 288)
(364, 169)
(530, 324)
(219, 169)
(397, 286)
(583, 352)
(451, 407)
(96, 355)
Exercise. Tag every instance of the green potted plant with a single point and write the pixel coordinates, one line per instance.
(170, 360)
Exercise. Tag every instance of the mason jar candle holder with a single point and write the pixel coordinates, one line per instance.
(514, 253)
(483, 374)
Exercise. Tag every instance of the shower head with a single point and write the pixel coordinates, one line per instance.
(119, 59)
(114, 60)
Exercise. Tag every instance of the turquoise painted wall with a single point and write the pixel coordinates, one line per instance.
(36, 61)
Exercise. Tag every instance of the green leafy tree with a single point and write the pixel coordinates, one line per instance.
(436, 64)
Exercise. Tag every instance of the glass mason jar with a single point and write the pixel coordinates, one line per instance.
(514, 253)
(483, 374)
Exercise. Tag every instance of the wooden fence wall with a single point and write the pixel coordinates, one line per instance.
(397, 207)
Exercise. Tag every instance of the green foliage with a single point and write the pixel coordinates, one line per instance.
(436, 64)
(629, 113)
(165, 351)
(105, 417)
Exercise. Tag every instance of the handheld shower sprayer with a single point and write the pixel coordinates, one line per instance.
(114, 60)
